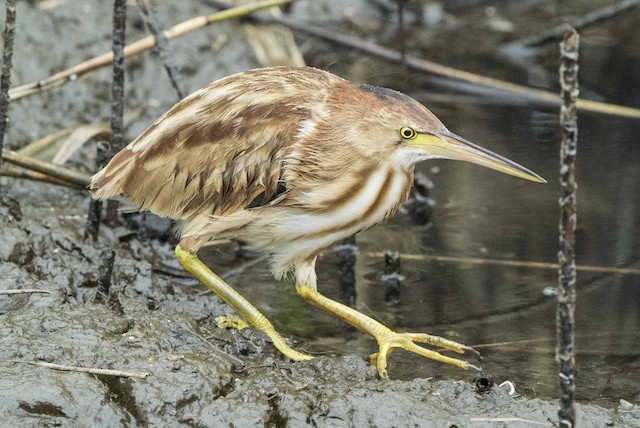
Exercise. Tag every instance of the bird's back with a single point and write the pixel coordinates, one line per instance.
(215, 151)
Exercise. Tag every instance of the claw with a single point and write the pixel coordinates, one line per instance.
(472, 351)
(476, 368)
(232, 321)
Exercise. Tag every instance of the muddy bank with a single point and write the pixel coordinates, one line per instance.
(154, 320)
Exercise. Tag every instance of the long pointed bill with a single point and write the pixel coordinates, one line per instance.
(448, 145)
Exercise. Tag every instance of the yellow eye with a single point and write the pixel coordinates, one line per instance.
(407, 133)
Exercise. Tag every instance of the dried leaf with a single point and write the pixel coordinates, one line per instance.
(78, 138)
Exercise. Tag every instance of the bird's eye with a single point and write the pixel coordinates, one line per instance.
(408, 133)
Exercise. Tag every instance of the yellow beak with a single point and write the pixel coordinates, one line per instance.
(446, 144)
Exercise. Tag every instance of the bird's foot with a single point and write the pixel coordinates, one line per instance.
(388, 339)
(249, 315)
(232, 321)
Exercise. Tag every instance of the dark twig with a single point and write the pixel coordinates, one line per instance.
(104, 152)
(104, 274)
(5, 74)
(117, 94)
(565, 322)
(162, 47)
(93, 220)
(591, 18)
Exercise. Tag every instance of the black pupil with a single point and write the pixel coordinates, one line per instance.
(407, 133)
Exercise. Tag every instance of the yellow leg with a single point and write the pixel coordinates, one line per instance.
(190, 261)
(386, 338)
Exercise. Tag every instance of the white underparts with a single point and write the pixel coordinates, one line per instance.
(301, 235)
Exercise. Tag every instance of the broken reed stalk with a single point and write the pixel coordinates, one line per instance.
(5, 73)
(565, 321)
(141, 45)
(477, 261)
(35, 176)
(103, 152)
(70, 176)
(162, 47)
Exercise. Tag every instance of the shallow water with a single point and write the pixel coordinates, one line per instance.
(478, 213)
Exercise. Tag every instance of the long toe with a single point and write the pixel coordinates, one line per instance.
(232, 321)
(387, 340)
(442, 342)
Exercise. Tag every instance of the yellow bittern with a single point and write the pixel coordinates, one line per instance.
(291, 160)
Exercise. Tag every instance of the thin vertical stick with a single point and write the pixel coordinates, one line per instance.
(162, 47)
(117, 88)
(105, 271)
(117, 94)
(7, 56)
(565, 322)
(105, 153)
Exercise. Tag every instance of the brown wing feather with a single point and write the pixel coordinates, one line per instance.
(219, 148)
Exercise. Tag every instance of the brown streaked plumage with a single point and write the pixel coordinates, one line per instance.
(291, 160)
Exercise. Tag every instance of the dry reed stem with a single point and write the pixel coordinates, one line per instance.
(8, 171)
(65, 174)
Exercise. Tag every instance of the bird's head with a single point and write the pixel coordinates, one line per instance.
(416, 134)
